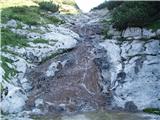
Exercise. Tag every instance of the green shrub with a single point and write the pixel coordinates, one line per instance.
(9, 72)
(40, 41)
(48, 6)
(12, 39)
(105, 34)
(152, 110)
(154, 25)
(113, 4)
(133, 13)
(28, 15)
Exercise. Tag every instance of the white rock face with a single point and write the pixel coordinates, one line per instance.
(138, 33)
(133, 33)
(14, 101)
(140, 63)
(115, 59)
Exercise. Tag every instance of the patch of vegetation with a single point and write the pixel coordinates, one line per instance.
(25, 14)
(42, 117)
(4, 49)
(29, 15)
(105, 34)
(48, 6)
(155, 25)
(9, 72)
(152, 110)
(40, 41)
(1, 89)
(61, 3)
(37, 31)
(19, 26)
(54, 55)
(134, 13)
(55, 20)
(13, 3)
(12, 39)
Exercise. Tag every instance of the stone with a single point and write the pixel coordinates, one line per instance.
(132, 32)
(148, 33)
(14, 101)
(33, 36)
(12, 23)
(158, 32)
(52, 69)
(131, 107)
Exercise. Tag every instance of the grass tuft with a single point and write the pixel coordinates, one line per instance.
(32, 15)
(54, 55)
(40, 41)
(48, 6)
(12, 39)
(152, 110)
(9, 72)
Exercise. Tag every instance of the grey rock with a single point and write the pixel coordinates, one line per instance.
(138, 33)
(148, 33)
(153, 47)
(33, 36)
(12, 23)
(158, 32)
(132, 32)
(130, 107)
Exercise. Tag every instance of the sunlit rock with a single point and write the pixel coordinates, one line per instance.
(12, 23)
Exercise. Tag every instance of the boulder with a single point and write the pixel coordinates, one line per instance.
(12, 23)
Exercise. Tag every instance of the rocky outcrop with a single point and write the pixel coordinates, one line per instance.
(134, 72)
(134, 33)
(43, 42)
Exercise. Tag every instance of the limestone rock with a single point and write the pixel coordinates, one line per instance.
(12, 23)
(148, 33)
(138, 33)
(140, 62)
(132, 32)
